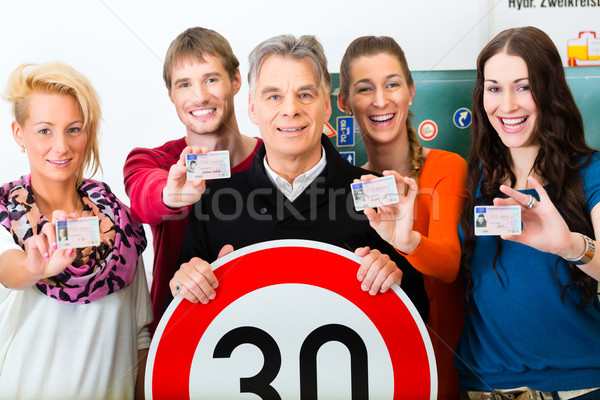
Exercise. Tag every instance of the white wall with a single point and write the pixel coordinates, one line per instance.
(119, 45)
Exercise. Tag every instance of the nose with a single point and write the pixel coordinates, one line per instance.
(289, 106)
(59, 144)
(379, 99)
(508, 102)
(200, 93)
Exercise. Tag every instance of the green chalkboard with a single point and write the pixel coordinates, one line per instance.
(440, 94)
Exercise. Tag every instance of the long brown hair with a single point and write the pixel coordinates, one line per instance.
(370, 46)
(562, 154)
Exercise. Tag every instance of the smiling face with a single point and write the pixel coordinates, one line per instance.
(54, 136)
(202, 93)
(290, 107)
(379, 97)
(508, 101)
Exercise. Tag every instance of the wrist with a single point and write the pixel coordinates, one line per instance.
(581, 255)
(411, 246)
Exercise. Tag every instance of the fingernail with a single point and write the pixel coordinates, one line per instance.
(46, 255)
(364, 288)
(71, 252)
(360, 278)
(54, 246)
(204, 301)
(215, 285)
(211, 296)
(64, 216)
(372, 292)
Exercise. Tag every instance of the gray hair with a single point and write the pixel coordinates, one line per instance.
(307, 46)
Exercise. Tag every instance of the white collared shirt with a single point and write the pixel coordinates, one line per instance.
(292, 191)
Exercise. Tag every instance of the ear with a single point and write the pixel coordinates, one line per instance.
(251, 112)
(328, 106)
(18, 133)
(412, 93)
(237, 81)
(170, 98)
(342, 103)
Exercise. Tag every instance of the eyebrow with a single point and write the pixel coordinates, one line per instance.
(204, 76)
(368, 80)
(272, 89)
(515, 81)
(51, 124)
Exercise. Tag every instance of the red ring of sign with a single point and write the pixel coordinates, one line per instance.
(425, 124)
(179, 336)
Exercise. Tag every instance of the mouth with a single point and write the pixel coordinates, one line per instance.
(59, 163)
(203, 112)
(513, 124)
(381, 118)
(291, 131)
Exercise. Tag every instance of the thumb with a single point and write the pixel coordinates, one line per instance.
(362, 251)
(225, 250)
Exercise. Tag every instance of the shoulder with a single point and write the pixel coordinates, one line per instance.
(447, 158)
(168, 151)
(441, 164)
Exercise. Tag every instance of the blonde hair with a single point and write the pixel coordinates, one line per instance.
(58, 78)
(373, 45)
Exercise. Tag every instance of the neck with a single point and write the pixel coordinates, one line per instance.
(388, 156)
(228, 137)
(52, 196)
(522, 165)
(289, 168)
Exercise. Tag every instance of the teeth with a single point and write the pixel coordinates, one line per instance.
(205, 111)
(60, 162)
(513, 122)
(290, 129)
(381, 118)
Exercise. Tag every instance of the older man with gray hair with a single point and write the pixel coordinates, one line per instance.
(298, 186)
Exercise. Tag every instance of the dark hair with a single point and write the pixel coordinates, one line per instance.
(370, 46)
(563, 151)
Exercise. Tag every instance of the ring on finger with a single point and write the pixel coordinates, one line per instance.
(532, 202)
(178, 287)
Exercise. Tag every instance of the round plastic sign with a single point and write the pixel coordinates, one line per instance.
(428, 130)
(462, 118)
(290, 321)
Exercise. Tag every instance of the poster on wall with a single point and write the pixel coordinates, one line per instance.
(573, 25)
(290, 321)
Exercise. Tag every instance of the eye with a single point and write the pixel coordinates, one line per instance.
(211, 80)
(45, 131)
(493, 89)
(364, 89)
(74, 130)
(306, 96)
(392, 85)
(523, 88)
(185, 84)
(274, 97)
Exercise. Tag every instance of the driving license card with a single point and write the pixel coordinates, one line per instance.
(493, 221)
(212, 165)
(377, 192)
(80, 232)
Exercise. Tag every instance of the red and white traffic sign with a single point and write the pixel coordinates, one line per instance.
(290, 321)
(428, 130)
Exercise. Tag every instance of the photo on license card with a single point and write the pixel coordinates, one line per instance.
(495, 221)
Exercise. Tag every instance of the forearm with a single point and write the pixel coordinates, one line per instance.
(438, 258)
(13, 273)
(141, 373)
(144, 184)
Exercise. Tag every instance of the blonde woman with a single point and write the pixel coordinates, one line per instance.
(73, 321)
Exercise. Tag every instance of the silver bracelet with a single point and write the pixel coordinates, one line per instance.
(588, 253)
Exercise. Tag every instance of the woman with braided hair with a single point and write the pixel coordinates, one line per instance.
(377, 88)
